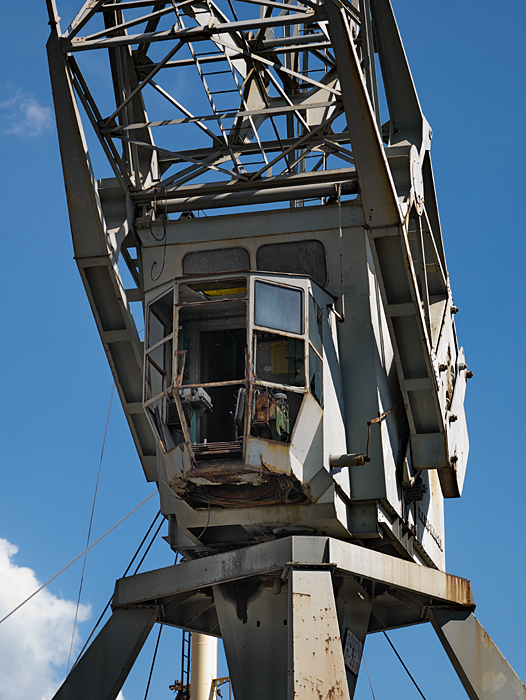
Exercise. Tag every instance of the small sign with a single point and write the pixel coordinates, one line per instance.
(279, 357)
(352, 652)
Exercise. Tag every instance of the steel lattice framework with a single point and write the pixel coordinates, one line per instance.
(254, 84)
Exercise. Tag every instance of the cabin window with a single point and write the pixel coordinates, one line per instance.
(279, 359)
(159, 340)
(209, 382)
(280, 308)
(211, 350)
(296, 258)
(219, 260)
(158, 363)
(315, 350)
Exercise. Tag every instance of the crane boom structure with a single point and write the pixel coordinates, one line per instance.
(298, 395)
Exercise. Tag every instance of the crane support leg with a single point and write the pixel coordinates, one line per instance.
(315, 650)
(482, 669)
(282, 637)
(102, 670)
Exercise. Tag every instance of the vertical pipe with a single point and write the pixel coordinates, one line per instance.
(203, 666)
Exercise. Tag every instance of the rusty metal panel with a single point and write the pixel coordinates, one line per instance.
(273, 456)
(397, 572)
(316, 666)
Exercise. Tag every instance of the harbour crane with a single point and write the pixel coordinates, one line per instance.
(265, 208)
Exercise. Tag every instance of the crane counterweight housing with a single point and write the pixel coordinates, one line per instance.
(279, 241)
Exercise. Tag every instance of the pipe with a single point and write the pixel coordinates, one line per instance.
(203, 668)
(259, 196)
(352, 460)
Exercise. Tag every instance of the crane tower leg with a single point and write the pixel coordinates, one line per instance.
(289, 644)
(482, 669)
(102, 670)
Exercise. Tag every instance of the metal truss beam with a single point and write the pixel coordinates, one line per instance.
(376, 183)
(191, 33)
(274, 142)
(278, 556)
(96, 253)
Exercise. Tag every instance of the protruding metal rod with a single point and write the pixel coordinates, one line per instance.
(351, 460)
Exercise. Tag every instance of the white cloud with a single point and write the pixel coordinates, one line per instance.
(35, 641)
(23, 115)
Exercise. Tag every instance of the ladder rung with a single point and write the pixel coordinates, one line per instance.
(216, 72)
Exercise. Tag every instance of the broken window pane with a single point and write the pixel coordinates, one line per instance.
(223, 354)
(316, 376)
(160, 319)
(158, 369)
(213, 290)
(213, 338)
(279, 307)
(315, 325)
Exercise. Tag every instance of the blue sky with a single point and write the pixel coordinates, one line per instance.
(468, 63)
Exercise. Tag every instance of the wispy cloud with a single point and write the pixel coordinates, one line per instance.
(21, 114)
(35, 641)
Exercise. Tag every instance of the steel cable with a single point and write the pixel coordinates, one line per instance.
(405, 667)
(148, 547)
(111, 598)
(368, 677)
(90, 526)
(74, 560)
(153, 662)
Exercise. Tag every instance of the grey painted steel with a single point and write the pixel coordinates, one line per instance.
(391, 251)
(482, 669)
(96, 256)
(292, 551)
(102, 670)
(343, 176)
(354, 605)
(376, 182)
(391, 181)
(393, 375)
(404, 106)
(257, 196)
(256, 639)
(284, 609)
